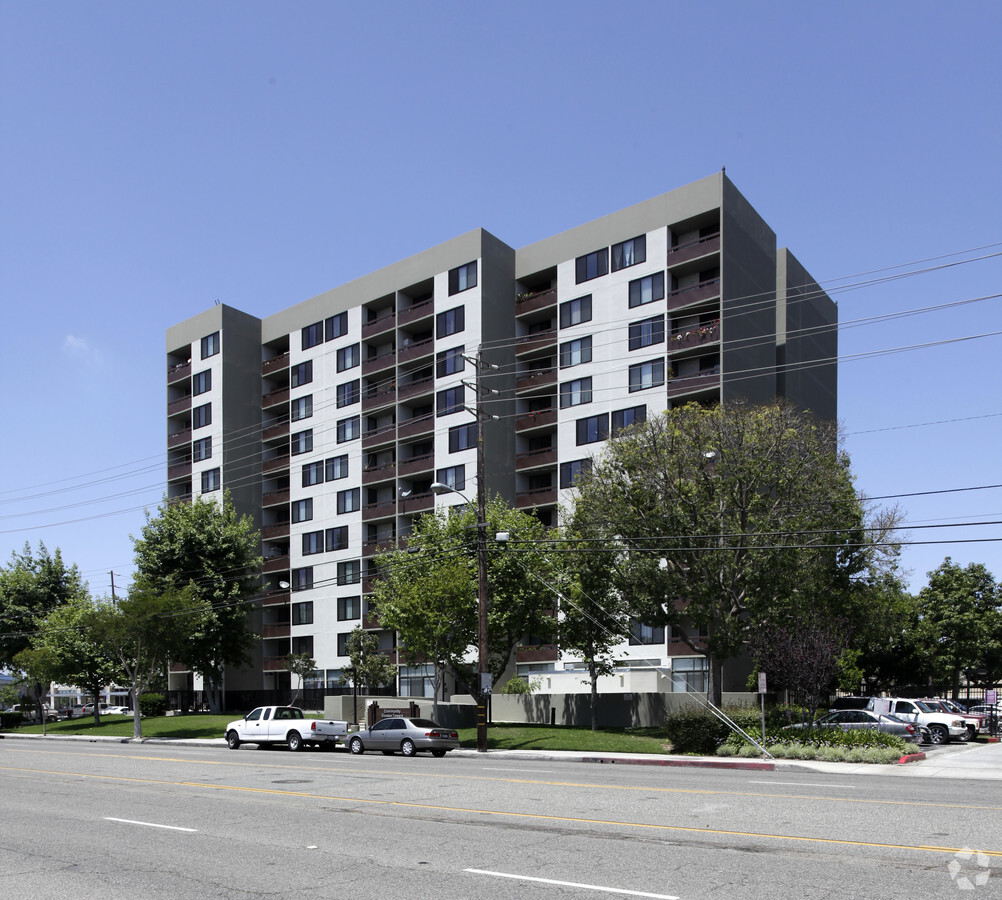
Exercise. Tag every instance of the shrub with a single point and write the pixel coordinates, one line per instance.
(152, 704)
(855, 755)
(832, 754)
(748, 751)
(725, 750)
(695, 731)
(11, 719)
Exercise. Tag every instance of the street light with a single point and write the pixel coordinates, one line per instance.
(484, 687)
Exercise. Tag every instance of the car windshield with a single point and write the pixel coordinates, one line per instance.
(926, 707)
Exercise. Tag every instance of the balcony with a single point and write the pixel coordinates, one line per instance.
(276, 598)
(276, 631)
(417, 503)
(540, 418)
(275, 498)
(181, 470)
(178, 372)
(535, 459)
(410, 352)
(530, 342)
(179, 438)
(183, 404)
(691, 250)
(384, 472)
(380, 395)
(275, 364)
(275, 464)
(387, 359)
(535, 300)
(416, 465)
(383, 322)
(689, 384)
(275, 431)
(276, 564)
(698, 293)
(417, 388)
(535, 380)
(415, 313)
(695, 337)
(536, 497)
(278, 530)
(274, 663)
(542, 653)
(382, 434)
(275, 398)
(381, 509)
(371, 548)
(413, 427)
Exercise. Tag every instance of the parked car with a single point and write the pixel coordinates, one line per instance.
(853, 719)
(117, 711)
(88, 709)
(974, 722)
(409, 736)
(29, 712)
(943, 726)
(284, 725)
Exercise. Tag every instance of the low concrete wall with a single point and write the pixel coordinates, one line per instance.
(451, 715)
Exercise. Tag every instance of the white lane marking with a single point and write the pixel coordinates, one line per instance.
(847, 787)
(575, 884)
(150, 824)
(543, 771)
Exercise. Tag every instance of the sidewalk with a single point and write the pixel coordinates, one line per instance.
(982, 761)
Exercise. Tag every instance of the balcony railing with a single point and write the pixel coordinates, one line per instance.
(688, 338)
(381, 434)
(280, 429)
(276, 598)
(535, 300)
(275, 464)
(415, 313)
(276, 631)
(380, 362)
(411, 389)
(276, 564)
(383, 322)
(182, 404)
(409, 352)
(687, 384)
(536, 379)
(181, 470)
(275, 364)
(694, 249)
(381, 509)
(383, 395)
(178, 372)
(697, 293)
(416, 464)
(543, 653)
(384, 472)
(278, 530)
(274, 398)
(275, 498)
(417, 503)
(529, 342)
(179, 438)
(540, 418)
(536, 458)
(275, 663)
(412, 427)
(536, 497)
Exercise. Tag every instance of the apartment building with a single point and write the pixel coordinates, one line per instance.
(330, 420)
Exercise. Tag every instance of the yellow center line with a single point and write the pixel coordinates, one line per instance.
(520, 815)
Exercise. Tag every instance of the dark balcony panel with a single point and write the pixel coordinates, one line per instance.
(537, 497)
(385, 360)
(537, 341)
(181, 470)
(275, 431)
(275, 398)
(417, 503)
(182, 404)
(687, 384)
(690, 338)
(178, 372)
(275, 498)
(179, 438)
(698, 293)
(541, 418)
(279, 530)
(275, 664)
(410, 352)
(376, 437)
(374, 474)
(384, 509)
(276, 564)
(384, 395)
(534, 380)
(415, 465)
(413, 427)
(276, 598)
(535, 300)
(178, 668)
(410, 389)
(536, 458)
(275, 631)
(410, 314)
(275, 364)
(371, 548)
(544, 653)
(275, 464)
(383, 322)
(691, 250)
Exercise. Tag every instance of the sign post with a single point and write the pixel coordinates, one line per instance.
(762, 692)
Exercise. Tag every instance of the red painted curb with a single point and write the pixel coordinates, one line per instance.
(704, 763)
(911, 757)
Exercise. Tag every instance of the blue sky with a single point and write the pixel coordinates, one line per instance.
(156, 157)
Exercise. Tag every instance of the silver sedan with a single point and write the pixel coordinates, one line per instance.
(408, 736)
(852, 719)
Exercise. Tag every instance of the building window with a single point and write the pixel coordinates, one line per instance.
(301, 374)
(211, 481)
(624, 418)
(348, 393)
(454, 477)
(574, 393)
(349, 572)
(201, 416)
(462, 437)
(647, 332)
(313, 542)
(573, 353)
(348, 608)
(629, 253)
(302, 407)
(646, 634)
(348, 501)
(417, 681)
(690, 674)
(591, 265)
(302, 613)
(452, 321)
(647, 290)
(336, 326)
(593, 429)
(210, 345)
(201, 449)
(302, 442)
(348, 357)
(201, 382)
(349, 429)
(342, 644)
(574, 312)
(450, 362)
(303, 644)
(302, 579)
(337, 538)
(571, 471)
(313, 473)
(450, 400)
(302, 510)
(337, 467)
(462, 278)
(647, 375)
(313, 335)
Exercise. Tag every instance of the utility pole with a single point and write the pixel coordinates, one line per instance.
(114, 599)
(484, 688)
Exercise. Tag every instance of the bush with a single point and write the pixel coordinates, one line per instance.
(748, 751)
(725, 750)
(832, 754)
(152, 704)
(11, 719)
(695, 731)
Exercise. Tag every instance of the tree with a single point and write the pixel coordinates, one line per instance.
(368, 667)
(38, 667)
(146, 630)
(301, 665)
(722, 518)
(961, 613)
(205, 547)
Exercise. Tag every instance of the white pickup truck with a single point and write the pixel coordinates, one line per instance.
(943, 726)
(284, 725)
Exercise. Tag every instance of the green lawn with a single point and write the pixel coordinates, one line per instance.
(499, 736)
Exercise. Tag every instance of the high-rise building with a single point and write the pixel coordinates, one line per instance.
(330, 420)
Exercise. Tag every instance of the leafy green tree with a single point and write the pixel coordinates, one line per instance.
(146, 630)
(369, 667)
(961, 615)
(752, 511)
(206, 548)
(300, 665)
(38, 666)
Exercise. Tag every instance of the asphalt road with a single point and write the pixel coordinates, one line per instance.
(89, 820)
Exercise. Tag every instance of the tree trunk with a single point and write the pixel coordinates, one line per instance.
(714, 687)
